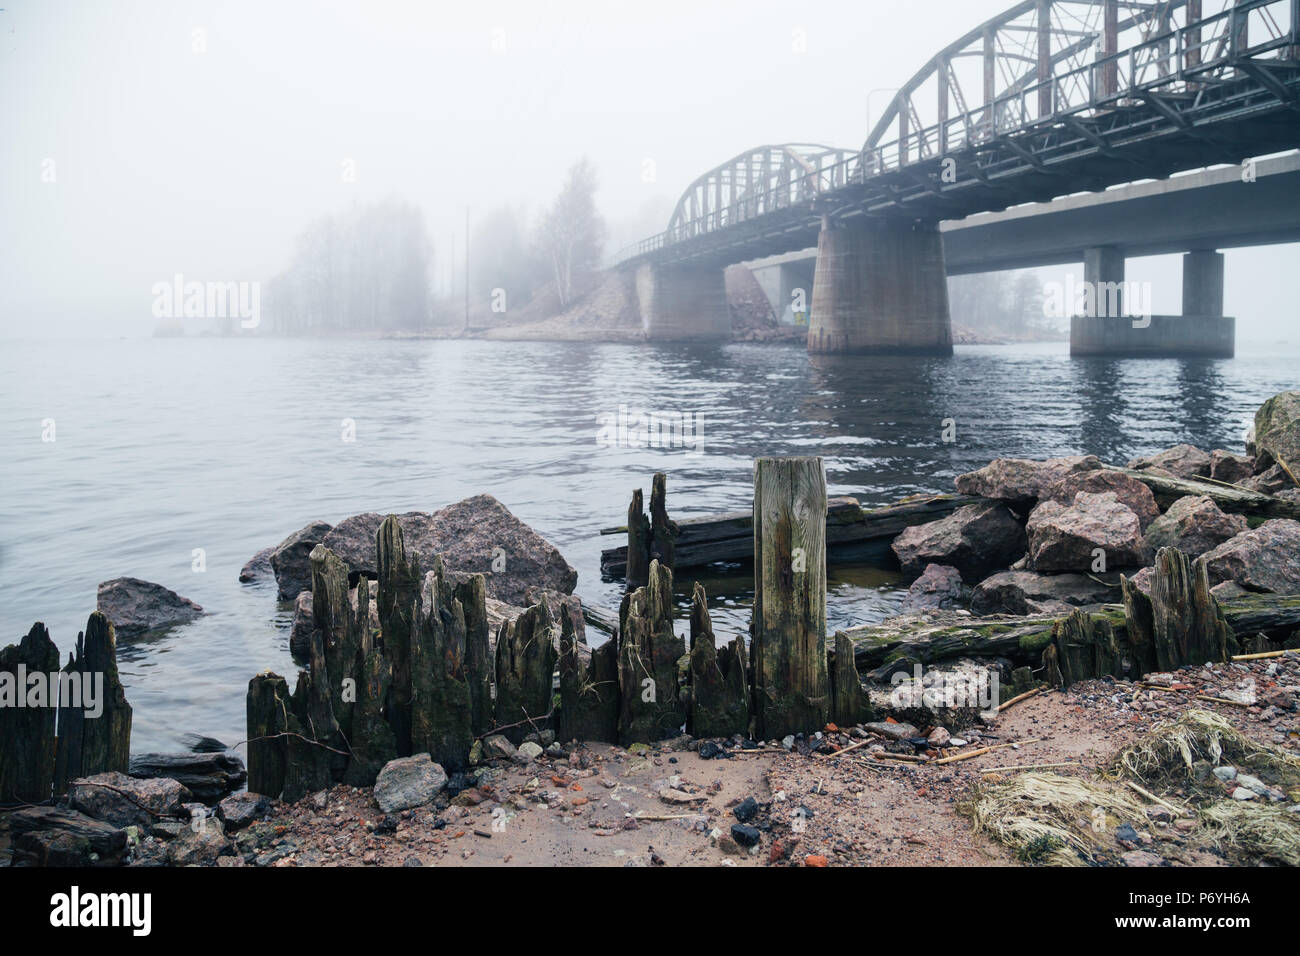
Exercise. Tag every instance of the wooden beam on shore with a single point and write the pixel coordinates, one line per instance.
(729, 537)
(1230, 498)
(879, 647)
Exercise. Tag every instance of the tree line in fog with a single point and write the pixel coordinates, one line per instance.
(1001, 304)
(371, 267)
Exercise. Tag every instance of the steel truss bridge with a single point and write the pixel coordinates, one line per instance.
(1053, 97)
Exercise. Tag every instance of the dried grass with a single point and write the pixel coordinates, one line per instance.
(1170, 751)
(1046, 817)
(1254, 829)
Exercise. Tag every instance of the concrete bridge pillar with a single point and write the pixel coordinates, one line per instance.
(683, 303)
(1203, 283)
(880, 287)
(1103, 272)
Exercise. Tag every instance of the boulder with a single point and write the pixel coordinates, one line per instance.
(86, 835)
(975, 539)
(209, 777)
(939, 586)
(476, 534)
(1264, 559)
(1067, 538)
(1026, 592)
(1128, 490)
(1020, 479)
(1271, 481)
(199, 844)
(1142, 580)
(258, 567)
(1193, 525)
(408, 782)
(1277, 434)
(240, 810)
(300, 629)
(1225, 466)
(291, 559)
(136, 607)
(126, 801)
(1181, 461)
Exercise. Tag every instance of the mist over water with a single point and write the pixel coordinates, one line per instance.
(167, 445)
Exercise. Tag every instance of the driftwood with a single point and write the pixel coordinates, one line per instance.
(1083, 647)
(399, 600)
(1229, 498)
(588, 694)
(719, 684)
(650, 702)
(88, 745)
(791, 690)
(27, 733)
(730, 536)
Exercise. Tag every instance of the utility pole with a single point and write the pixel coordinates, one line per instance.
(467, 268)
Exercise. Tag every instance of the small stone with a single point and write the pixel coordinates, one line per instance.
(744, 835)
(1141, 858)
(408, 782)
(497, 747)
(529, 751)
(815, 860)
(746, 810)
(1226, 774)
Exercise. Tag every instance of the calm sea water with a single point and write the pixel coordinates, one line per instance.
(170, 445)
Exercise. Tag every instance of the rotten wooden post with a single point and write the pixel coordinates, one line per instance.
(848, 702)
(399, 603)
(267, 710)
(525, 668)
(719, 685)
(94, 745)
(650, 702)
(663, 530)
(441, 704)
(791, 691)
(472, 595)
(1083, 648)
(638, 543)
(333, 615)
(588, 695)
(317, 756)
(373, 743)
(1188, 627)
(27, 733)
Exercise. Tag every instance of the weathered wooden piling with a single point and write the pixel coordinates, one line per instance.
(588, 695)
(316, 754)
(373, 743)
(399, 602)
(333, 615)
(638, 543)
(1083, 647)
(27, 733)
(791, 691)
(1188, 627)
(848, 702)
(650, 704)
(719, 684)
(472, 594)
(525, 668)
(441, 704)
(88, 745)
(663, 530)
(267, 710)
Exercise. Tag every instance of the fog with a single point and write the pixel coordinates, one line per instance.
(145, 139)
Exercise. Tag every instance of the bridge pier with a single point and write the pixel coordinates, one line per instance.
(1202, 331)
(880, 287)
(683, 303)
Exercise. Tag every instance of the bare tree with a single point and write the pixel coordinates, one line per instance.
(571, 232)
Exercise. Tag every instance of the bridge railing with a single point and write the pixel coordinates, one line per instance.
(1184, 59)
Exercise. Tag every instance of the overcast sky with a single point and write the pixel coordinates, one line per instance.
(199, 137)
